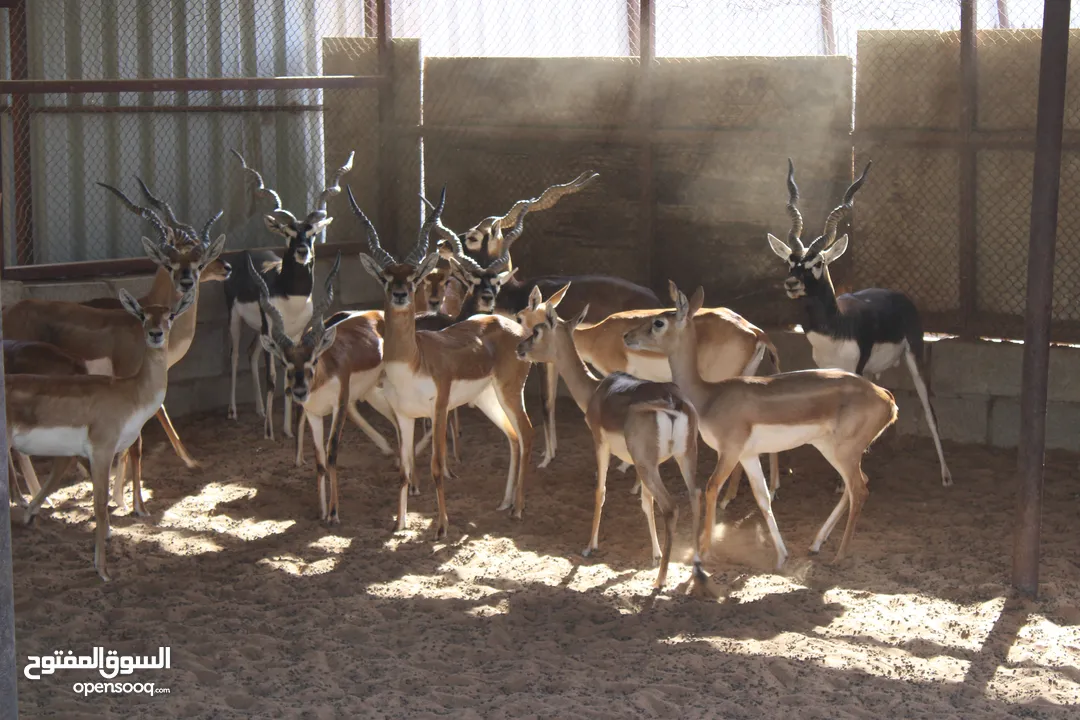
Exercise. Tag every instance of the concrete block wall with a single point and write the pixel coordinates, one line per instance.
(200, 382)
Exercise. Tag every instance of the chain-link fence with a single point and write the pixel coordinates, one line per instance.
(688, 109)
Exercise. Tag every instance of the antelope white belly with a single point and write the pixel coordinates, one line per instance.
(648, 367)
(778, 438)
(52, 441)
(415, 395)
(101, 366)
(830, 352)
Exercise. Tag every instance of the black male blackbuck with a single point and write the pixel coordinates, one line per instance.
(864, 332)
(642, 423)
(289, 280)
(427, 373)
(837, 412)
(92, 416)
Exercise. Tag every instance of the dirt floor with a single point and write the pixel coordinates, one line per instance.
(270, 614)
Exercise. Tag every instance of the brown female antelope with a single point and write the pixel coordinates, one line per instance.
(837, 412)
(640, 422)
(428, 373)
(91, 416)
(729, 346)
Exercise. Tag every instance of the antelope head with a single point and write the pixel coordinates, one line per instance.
(808, 266)
(485, 280)
(662, 332)
(157, 320)
(399, 279)
(540, 345)
(185, 254)
(299, 358)
(300, 234)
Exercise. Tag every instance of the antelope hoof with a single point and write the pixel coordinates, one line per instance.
(288, 433)
(505, 505)
(724, 503)
(102, 573)
(139, 511)
(28, 517)
(839, 488)
(399, 526)
(440, 533)
(517, 514)
(814, 551)
(636, 488)
(587, 552)
(946, 479)
(414, 490)
(232, 412)
(546, 461)
(260, 411)
(333, 519)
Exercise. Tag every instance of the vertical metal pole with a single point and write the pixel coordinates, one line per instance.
(1003, 14)
(828, 29)
(633, 26)
(9, 704)
(22, 185)
(647, 198)
(968, 188)
(387, 157)
(1040, 293)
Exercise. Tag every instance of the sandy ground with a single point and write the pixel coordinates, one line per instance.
(270, 614)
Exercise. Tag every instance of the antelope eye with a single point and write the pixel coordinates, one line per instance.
(658, 324)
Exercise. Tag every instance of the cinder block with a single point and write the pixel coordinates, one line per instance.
(355, 287)
(1064, 374)
(794, 350)
(137, 285)
(208, 355)
(11, 292)
(1062, 424)
(68, 291)
(962, 367)
(962, 418)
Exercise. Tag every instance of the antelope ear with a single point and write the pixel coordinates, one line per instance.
(131, 304)
(270, 346)
(504, 277)
(426, 265)
(696, 301)
(155, 252)
(779, 247)
(558, 295)
(682, 306)
(673, 290)
(214, 250)
(279, 228)
(320, 226)
(185, 302)
(580, 317)
(371, 266)
(327, 340)
(834, 251)
(535, 298)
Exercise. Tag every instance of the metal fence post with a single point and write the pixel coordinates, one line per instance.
(1040, 293)
(387, 157)
(647, 197)
(9, 701)
(968, 288)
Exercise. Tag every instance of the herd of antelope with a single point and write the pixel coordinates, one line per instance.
(460, 326)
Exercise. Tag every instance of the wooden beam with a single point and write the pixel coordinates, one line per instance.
(1049, 122)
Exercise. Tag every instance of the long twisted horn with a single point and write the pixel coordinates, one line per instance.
(334, 187)
(419, 251)
(314, 336)
(380, 256)
(547, 198)
(204, 236)
(466, 262)
(140, 210)
(795, 233)
(263, 191)
(515, 232)
(277, 325)
(843, 208)
(170, 216)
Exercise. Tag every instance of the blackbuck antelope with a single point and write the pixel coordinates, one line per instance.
(330, 369)
(186, 260)
(429, 373)
(91, 416)
(289, 280)
(642, 423)
(729, 346)
(865, 332)
(493, 288)
(108, 340)
(485, 241)
(837, 412)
